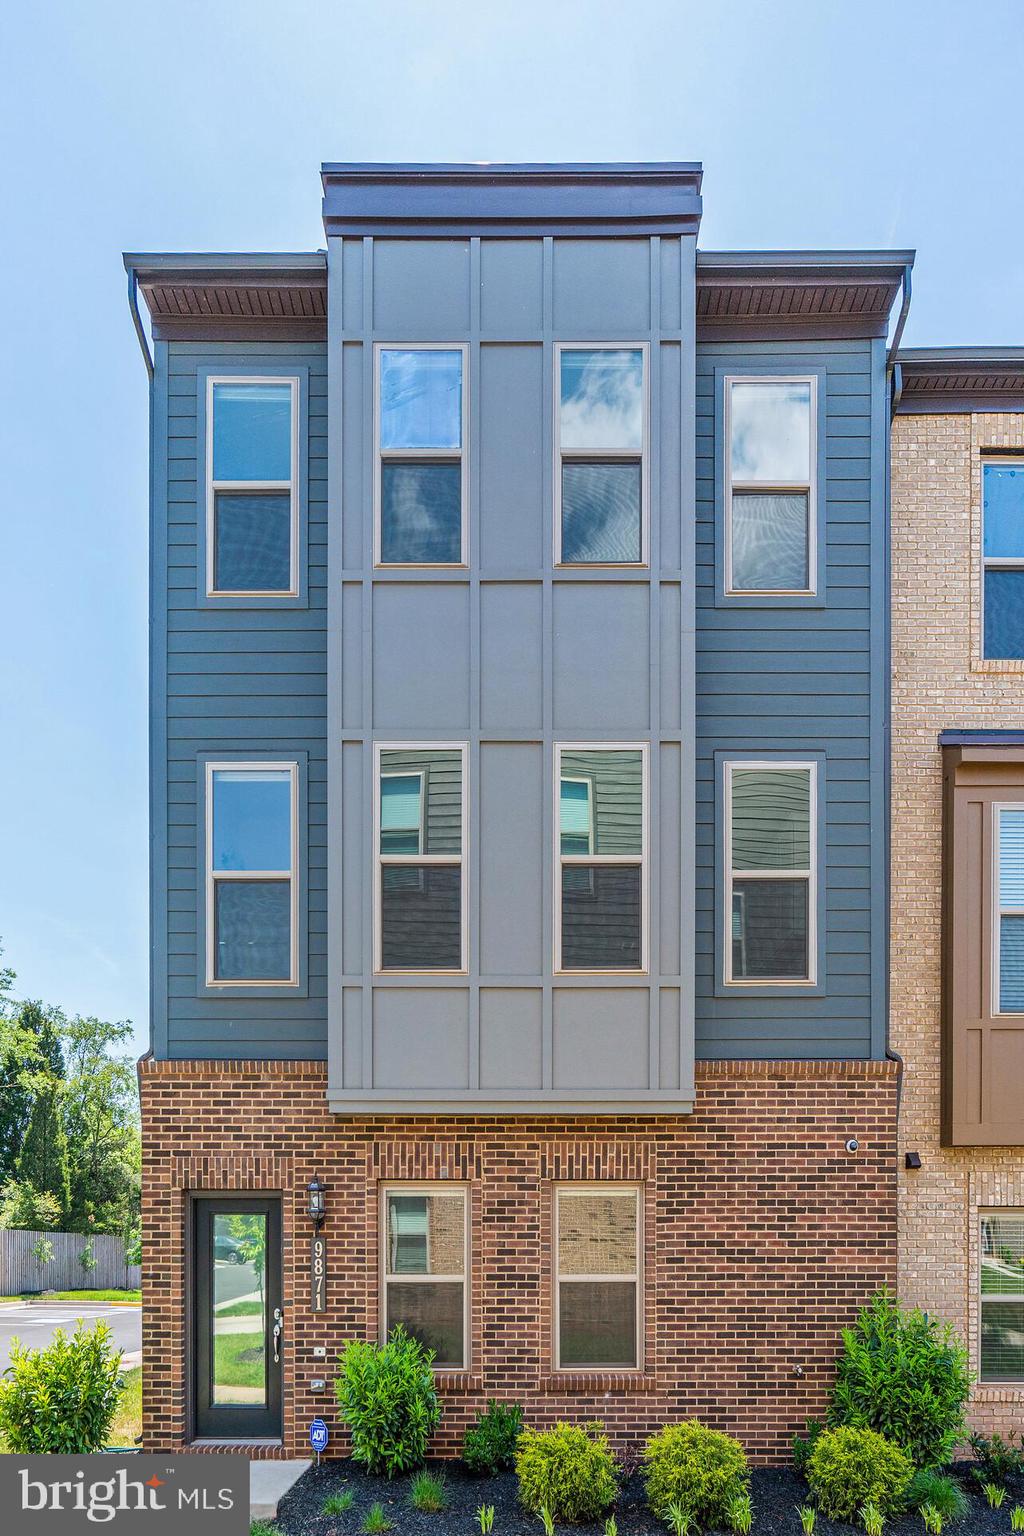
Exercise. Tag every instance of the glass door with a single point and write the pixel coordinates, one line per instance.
(239, 1322)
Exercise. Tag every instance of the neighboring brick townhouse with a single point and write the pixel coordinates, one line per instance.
(519, 809)
(957, 1000)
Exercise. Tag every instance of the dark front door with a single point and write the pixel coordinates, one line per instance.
(239, 1328)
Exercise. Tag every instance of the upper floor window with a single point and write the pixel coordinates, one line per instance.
(1009, 932)
(597, 1277)
(251, 840)
(421, 481)
(1002, 1296)
(425, 1267)
(420, 836)
(770, 517)
(601, 469)
(251, 486)
(601, 858)
(771, 872)
(1003, 559)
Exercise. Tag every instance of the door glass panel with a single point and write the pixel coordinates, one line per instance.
(238, 1314)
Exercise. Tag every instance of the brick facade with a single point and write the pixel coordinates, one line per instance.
(762, 1237)
(940, 683)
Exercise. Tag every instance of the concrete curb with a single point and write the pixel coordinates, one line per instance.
(269, 1481)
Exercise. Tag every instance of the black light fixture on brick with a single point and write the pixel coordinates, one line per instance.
(913, 1159)
(317, 1202)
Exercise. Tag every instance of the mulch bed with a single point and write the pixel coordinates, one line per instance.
(776, 1493)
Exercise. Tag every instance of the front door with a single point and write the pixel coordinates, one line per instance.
(239, 1326)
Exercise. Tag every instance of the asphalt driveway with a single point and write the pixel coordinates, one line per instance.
(34, 1323)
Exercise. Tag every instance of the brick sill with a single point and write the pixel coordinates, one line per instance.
(995, 1392)
(458, 1381)
(597, 1381)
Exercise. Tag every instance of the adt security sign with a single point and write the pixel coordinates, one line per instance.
(318, 1435)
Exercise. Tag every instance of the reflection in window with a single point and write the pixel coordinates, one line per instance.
(1002, 1296)
(420, 413)
(250, 486)
(425, 1269)
(769, 510)
(601, 446)
(250, 875)
(1003, 560)
(239, 1309)
(601, 846)
(597, 1278)
(419, 859)
(1011, 910)
(769, 872)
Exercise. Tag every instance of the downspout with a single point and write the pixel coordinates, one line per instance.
(133, 305)
(893, 372)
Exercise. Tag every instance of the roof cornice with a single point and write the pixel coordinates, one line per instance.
(224, 296)
(461, 200)
(824, 295)
(942, 380)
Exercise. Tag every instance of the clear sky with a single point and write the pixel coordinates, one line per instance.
(201, 125)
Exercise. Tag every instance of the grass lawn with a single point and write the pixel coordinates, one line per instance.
(129, 1298)
(127, 1425)
(241, 1309)
(238, 1360)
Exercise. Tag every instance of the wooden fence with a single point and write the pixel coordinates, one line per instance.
(20, 1269)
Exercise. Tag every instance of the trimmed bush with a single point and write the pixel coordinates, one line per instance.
(851, 1467)
(62, 1398)
(568, 1470)
(489, 1445)
(698, 1469)
(387, 1398)
(905, 1376)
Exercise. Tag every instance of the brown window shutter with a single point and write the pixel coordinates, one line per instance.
(982, 1050)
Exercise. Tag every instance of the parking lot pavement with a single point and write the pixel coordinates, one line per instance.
(34, 1323)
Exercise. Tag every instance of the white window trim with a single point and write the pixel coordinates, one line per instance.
(212, 875)
(773, 487)
(427, 1188)
(420, 859)
(594, 859)
(1015, 1213)
(770, 765)
(998, 910)
(461, 454)
(592, 455)
(590, 1188)
(256, 486)
(994, 562)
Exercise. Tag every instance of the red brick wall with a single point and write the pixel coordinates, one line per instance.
(763, 1236)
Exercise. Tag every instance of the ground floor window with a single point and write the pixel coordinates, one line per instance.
(1002, 1296)
(425, 1263)
(597, 1277)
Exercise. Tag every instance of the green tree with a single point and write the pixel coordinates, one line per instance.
(43, 1161)
(29, 1043)
(101, 1118)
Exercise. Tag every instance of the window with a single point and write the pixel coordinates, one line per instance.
(425, 1264)
(597, 1277)
(601, 471)
(600, 858)
(1002, 1296)
(420, 877)
(1003, 560)
(1008, 932)
(421, 476)
(251, 487)
(250, 888)
(770, 863)
(770, 534)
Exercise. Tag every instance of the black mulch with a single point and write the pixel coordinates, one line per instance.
(776, 1493)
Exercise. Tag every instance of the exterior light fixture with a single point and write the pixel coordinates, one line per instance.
(317, 1202)
(913, 1159)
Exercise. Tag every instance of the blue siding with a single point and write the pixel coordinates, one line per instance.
(802, 680)
(237, 679)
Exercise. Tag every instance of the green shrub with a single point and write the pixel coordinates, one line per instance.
(489, 1445)
(697, 1468)
(996, 1459)
(388, 1400)
(62, 1398)
(905, 1376)
(569, 1471)
(803, 1445)
(940, 1491)
(428, 1493)
(850, 1467)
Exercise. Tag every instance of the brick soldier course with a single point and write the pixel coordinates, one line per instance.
(940, 682)
(763, 1235)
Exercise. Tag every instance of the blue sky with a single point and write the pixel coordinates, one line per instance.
(201, 126)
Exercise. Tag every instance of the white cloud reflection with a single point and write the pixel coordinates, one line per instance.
(603, 400)
(771, 432)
